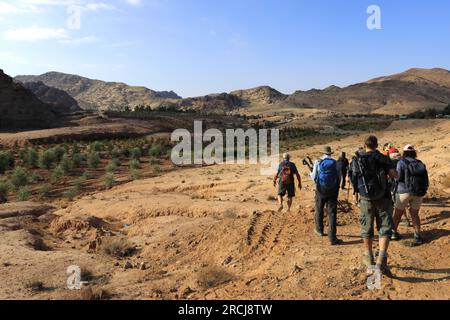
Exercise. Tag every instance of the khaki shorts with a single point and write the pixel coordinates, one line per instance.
(406, 200)
(379, 211)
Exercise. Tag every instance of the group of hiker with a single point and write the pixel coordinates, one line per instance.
(385, 184)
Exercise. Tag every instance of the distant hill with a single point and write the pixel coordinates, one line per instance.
(60, 100)
(100, 95)
(413, 90)
(20, 108)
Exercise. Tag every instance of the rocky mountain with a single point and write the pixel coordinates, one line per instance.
(402, 93)
(100, 95)
(406, 92)
(60, 100)
(260, 95)
(20, 108)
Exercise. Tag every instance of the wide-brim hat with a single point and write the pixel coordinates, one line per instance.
(327, 150)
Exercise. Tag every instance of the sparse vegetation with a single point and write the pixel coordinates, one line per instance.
(19, 178)
(213, 276)
(109, 180)
(118, 248)
(23, 194)
(94, 160)
(4, 188)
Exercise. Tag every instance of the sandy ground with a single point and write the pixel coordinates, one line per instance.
(213, 233)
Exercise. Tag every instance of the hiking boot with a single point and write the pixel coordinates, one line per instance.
(418, 240)
(336, 242)
(318, 233)
(395, 236)
(383, 266)
(368, 260)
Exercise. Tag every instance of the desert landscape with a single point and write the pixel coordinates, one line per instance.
(90, 183)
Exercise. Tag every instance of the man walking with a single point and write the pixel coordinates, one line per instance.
(343, 165)
(370, 172)
(285, 180)
(326, 176)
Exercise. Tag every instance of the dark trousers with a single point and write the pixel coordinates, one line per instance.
(343, 179)
(331, 203)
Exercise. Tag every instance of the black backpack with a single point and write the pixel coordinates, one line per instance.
(416, 178)
(369, 178)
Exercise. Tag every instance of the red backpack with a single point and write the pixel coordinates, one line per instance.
(286, 175)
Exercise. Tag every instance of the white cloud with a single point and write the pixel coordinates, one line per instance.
(98, 6)
(34, 33)
(78, 41)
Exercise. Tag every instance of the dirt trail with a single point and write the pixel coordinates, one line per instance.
(212, 233)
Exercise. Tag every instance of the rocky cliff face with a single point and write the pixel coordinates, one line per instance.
(20, 108)
(59, 100)
(100, 95)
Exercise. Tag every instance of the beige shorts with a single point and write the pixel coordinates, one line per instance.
(405, 200)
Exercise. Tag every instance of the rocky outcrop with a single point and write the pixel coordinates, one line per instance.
(20, 108)
(100, 95)
(59, 100)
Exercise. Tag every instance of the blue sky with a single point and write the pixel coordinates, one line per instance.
(196, 47)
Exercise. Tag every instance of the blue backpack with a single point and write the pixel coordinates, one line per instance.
(327, 180)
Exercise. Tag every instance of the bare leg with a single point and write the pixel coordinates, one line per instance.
(368, 245)
(289, 203)
(384, 244)
(280, 202)
(415, 220)
(398, 214)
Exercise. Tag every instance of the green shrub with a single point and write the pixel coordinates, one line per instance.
(6, 161)
(35, 177)
(94, 160)
(19, 178)
(115, 153)
(136, 153)
(111, 167)
(154, 151)
(23, 194)
(134, 164)
(58, 153)
(96, 146)
(44, 192)
(109, 180)
(32, 158)
(4, 188)
(57, 174)
(66, 164)
(46, 159)
(77, 159)
(78, 184)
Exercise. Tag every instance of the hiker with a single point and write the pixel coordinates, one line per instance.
(386, 149)
(370, 172)
(285, 179)
(327, 178)
(413, 185)
(343, 165)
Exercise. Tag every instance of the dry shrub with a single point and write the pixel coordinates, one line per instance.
(94, 293)
(118, 248)
(213, 276)
(230, 214)
(35, 285)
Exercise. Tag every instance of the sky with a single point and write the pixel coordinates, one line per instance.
(197, 47)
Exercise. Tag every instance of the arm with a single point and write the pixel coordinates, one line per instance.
(299, 179)
(275, 179)
(393, 174)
